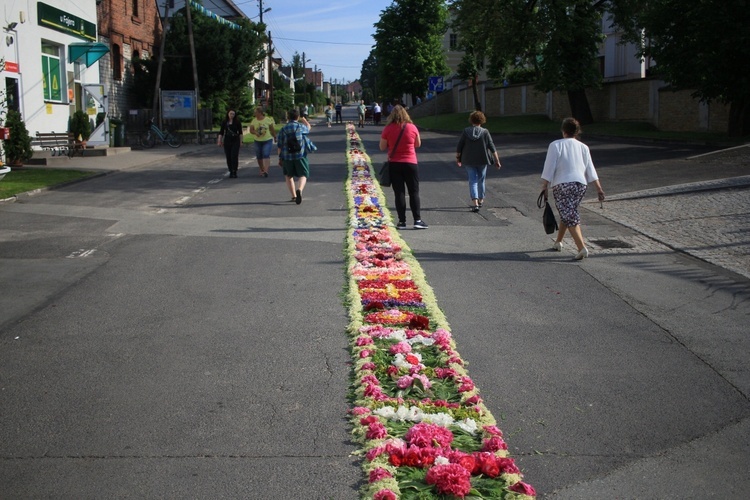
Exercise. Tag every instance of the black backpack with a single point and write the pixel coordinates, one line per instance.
(292, 143)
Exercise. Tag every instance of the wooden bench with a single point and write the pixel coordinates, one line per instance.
(58, 143)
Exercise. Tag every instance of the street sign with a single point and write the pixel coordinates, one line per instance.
(436, 84)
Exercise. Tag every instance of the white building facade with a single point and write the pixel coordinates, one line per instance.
(51, 55)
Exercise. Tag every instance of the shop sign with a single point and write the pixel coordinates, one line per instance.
(59, 20)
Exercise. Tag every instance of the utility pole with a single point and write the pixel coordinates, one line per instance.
(270, 72)
(188, 7)
(304, 80)
(165, 28)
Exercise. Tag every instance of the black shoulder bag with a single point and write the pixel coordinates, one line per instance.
(548, 217)
(384, 175)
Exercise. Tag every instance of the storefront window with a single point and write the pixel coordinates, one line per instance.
(52, 81)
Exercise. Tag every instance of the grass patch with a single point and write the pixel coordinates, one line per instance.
(526, 124)
(540, 124)
(22, 180)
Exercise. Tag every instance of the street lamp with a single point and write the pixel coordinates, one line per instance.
(304, 77)
(262, 10)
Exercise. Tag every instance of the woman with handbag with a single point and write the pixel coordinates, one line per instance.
(568, 169)
(474, 152)
(400, 137)
(230, 136)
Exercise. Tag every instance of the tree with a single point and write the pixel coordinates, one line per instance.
(408, 46)
(468, 69)
(18, 146)
(226, 59)
(369, 75)
(559, 38)
(700, 46)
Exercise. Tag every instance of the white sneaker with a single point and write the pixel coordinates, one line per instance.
(582, 254)
(557, 247)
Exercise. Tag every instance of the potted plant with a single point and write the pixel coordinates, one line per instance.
(80, 126)
(18, 146)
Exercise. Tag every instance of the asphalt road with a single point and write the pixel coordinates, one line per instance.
(172, 333)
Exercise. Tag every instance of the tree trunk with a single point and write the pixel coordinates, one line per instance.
(739, 118)
(477, 103)
(579, 106)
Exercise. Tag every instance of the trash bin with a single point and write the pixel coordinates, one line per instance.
(117, 133)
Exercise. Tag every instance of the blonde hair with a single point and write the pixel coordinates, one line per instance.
(399, 115)
(259, 110)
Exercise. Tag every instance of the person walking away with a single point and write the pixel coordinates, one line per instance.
(338, 113)
(293, 154)
(329, 115)
(230, 136)
(377, 113)
(263, 127)
(568, 169)
(404, 168)
(361, 109)
(474, 152)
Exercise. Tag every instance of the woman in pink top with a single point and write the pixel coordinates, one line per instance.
(568, 169)
(403, 162)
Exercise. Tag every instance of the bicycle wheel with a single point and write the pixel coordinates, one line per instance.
(147, 140)
(174, 140)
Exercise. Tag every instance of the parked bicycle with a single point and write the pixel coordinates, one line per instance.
(154, 134)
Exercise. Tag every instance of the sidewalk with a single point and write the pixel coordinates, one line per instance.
(125, 158)
(709, 220)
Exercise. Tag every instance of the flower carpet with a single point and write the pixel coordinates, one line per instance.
(424, 431)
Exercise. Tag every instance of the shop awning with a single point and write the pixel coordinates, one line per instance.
(89, 52)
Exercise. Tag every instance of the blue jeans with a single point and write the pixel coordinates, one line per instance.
(477, 175)
(263, 149)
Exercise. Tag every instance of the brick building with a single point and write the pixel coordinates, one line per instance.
(132, 29)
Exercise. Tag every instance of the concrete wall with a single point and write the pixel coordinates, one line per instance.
(641, 99)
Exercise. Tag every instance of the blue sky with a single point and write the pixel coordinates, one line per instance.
(335, 36)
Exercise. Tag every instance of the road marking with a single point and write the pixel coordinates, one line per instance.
(82, 253)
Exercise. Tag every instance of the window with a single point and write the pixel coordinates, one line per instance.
(453, 44)
(52, 81)
(135, 8)
(116, 62)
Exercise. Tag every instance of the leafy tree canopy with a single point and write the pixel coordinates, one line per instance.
(408, 46)
(560, 38)
(702, 46)
(226, 61)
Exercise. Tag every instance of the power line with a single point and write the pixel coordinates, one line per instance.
(329, 43)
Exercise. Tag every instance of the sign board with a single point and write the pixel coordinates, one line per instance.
(60, 20)
(178, 104)
(436, 84)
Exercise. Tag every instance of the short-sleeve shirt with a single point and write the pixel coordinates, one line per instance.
(263, 127)
(405, 153)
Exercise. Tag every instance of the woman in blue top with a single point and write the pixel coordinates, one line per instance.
(568, 169)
